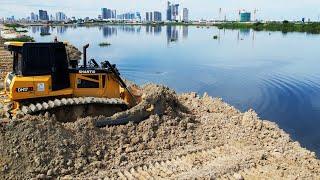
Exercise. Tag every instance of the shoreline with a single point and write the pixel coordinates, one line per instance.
(285, 27)
(192, 136)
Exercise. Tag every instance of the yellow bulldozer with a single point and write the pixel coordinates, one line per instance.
(44, 80)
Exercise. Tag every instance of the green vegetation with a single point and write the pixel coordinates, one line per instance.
(285, 26)
(21, 31)
(22, 39)
(215, 37)
(45, 34)
(14, 25)
(103, 44)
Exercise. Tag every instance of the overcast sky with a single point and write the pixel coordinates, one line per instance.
(207, 9)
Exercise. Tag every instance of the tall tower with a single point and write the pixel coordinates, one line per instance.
(169, 12)
(185, 15)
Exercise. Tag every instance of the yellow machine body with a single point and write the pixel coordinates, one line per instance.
(34, 87)
(82, 82)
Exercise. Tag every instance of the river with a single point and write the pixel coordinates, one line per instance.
(275, 74)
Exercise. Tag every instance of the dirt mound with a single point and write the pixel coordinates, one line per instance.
(182, 136)
(74, 53)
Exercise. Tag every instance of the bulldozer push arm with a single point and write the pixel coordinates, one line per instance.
(122, 83)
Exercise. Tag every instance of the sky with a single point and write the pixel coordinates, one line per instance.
(198, 9)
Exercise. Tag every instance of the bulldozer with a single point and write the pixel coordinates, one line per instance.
(44, 80)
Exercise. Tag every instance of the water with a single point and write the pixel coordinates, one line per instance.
(274, 73)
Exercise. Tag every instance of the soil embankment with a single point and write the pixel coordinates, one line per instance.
(183, 136)
(178, 137)
(5, 62)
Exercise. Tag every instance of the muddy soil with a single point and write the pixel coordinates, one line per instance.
(171, 136)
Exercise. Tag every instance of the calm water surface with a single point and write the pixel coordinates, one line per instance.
(276, 74)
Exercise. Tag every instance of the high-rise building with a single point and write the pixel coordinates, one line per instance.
(245, 16)
(185, 13)
(172, 12)
(37, 17)
(114, 14)
(43, 15)
(108, 13)
(157, 16)
(60, 16)
(169, 12)
(33, 17)
(175, 12)
(138, 16)
(127, 16)
(104, 13)
(151, 16)
(147, 16)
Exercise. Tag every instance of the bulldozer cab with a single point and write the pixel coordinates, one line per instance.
(38, 59)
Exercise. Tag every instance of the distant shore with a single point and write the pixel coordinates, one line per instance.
(11, 32)
(285, 26)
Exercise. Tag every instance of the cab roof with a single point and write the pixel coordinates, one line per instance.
(20, 44)
(17, 46)
(14, 43)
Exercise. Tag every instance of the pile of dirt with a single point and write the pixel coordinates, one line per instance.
(74, 53)
(170, 136)
(5, 62)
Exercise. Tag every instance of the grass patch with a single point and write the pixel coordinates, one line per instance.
(285, 26)
(14, 25)
(45, 34)
(103, 44)
(22, 39)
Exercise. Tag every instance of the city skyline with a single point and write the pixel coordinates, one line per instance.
(205, 9)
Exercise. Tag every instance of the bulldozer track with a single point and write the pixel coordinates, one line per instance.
(180, 167)
(44, 106)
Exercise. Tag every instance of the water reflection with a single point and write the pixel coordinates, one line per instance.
(45, 30)
(109, 31)
(127, 29)
(48, 29)
(35, 29)
(61, 29)
(153, 29)
(173, 33)
(244, 32)
(185, 32)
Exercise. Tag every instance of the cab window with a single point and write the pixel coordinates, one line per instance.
(83, 83)
(17, 63)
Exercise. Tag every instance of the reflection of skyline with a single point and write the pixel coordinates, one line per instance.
(174, 32)
(35, 29)
(185, 32)
(47, 29)
(44, 29)
(109, 31)
(61, 29)
(244, 32)
(153, 29)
